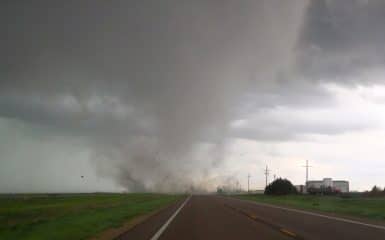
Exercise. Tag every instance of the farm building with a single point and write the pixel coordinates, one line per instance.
(337, 185)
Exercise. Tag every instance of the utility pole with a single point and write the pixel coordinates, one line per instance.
(248, 183)
(307, 171)
(267, 174)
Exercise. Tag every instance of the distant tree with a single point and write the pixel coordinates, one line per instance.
(376, 191)
(280, 187)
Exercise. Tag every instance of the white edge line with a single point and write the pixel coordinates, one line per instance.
(165, 225)
(317, 215)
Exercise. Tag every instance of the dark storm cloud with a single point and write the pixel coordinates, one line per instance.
(152, 84)
(342, 39)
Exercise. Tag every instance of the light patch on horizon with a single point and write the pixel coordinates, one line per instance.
(350, 151)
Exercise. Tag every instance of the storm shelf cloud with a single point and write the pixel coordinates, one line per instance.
(156, 95)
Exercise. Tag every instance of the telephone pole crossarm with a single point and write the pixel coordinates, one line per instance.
(307, 171)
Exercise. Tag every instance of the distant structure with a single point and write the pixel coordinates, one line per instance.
(300, 188)
(337, 185)
(267, 171)
(307, 170)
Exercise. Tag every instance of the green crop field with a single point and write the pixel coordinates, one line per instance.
(371, 208)
(72, 216)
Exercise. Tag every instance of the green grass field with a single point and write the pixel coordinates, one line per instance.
(72, 216)
(371, 208)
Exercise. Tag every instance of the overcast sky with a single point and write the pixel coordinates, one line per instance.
(176, 95)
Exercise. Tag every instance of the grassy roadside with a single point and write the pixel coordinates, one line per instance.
(76, 216)
(370, 208)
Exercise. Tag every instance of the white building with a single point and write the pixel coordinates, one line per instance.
(341, 186)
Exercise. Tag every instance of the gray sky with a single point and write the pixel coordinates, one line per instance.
(174, 95)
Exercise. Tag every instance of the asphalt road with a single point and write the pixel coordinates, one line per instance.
(215, 217)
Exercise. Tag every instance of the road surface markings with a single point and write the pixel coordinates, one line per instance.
(271, 225)
(165, 225)
(318, 215)
(287, 232)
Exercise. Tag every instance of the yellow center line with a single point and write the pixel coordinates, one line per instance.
(274, 226)
(287, 232)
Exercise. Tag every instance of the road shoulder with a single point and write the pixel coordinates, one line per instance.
(335, 216)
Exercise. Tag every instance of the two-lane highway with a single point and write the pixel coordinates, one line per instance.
(207, 217)
(216, 217)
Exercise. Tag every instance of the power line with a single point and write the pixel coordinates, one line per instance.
(307, 171)
(248, 183)
(266, 174)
